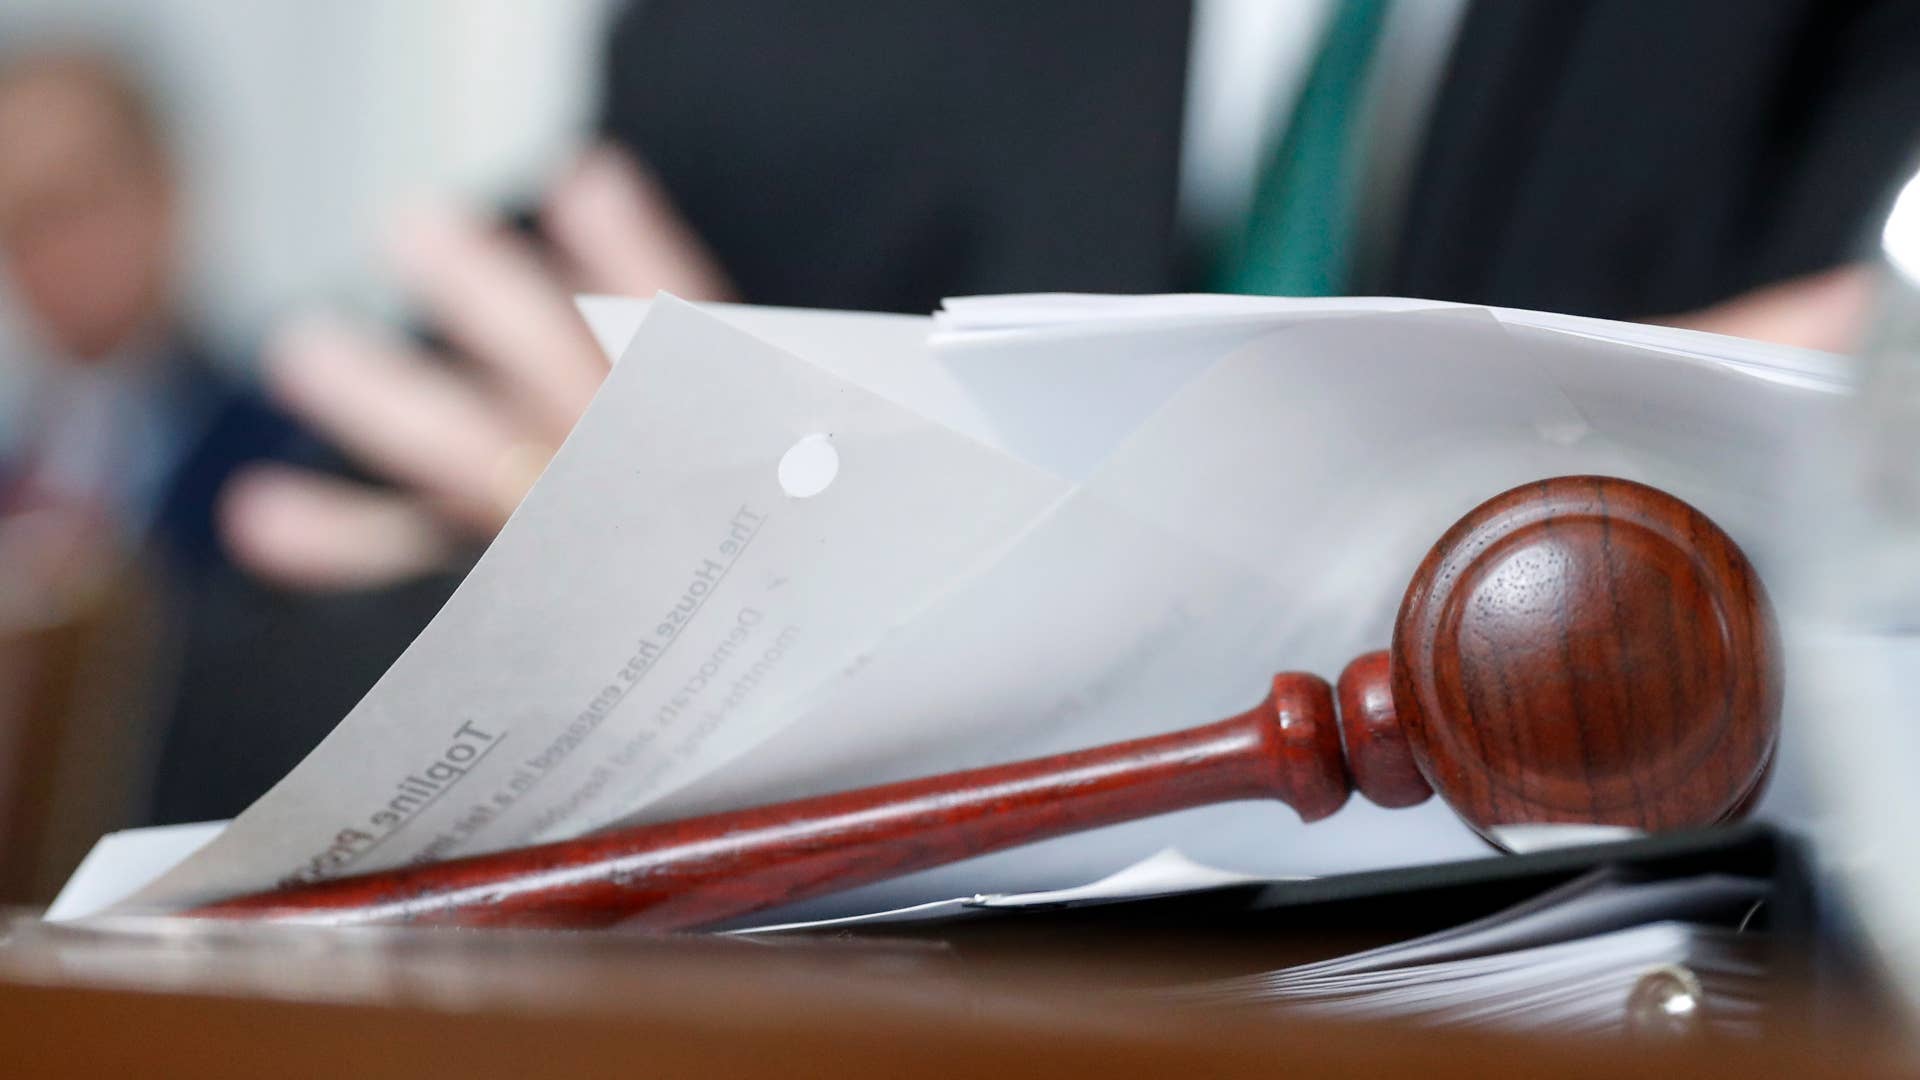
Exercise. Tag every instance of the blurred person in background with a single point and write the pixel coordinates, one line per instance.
(133, 427)
(1709, 163)
(131, 432)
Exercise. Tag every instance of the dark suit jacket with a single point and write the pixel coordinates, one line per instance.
(223, 425)
(1601, 157)
(228, 425)
(253, 676)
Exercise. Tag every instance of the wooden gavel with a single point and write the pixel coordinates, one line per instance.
(1580, 650)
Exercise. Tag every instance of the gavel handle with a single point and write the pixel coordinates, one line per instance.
(683, 874)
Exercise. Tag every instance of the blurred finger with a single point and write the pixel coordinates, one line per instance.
(1826, 310)
(402, 415)
(494, 298)
(309, 531)
(614, 222)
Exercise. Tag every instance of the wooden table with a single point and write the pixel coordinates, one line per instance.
(179, 999)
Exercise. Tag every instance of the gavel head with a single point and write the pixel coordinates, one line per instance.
(1580, 650)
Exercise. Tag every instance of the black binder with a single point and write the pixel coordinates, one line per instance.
(1189, 941)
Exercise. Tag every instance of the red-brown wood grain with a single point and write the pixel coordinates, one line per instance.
(1588, 650)
(1377, 752)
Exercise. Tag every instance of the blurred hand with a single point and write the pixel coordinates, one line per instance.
(462, 440)
(1827, 311)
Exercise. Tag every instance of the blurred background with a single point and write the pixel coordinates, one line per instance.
(262, 151)
(299, 128)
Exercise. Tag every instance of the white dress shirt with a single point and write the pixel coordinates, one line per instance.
(1247, 63)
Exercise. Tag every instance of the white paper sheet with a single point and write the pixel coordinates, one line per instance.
(1166, 872)
(1564, 961)
(888, 355)
(1256, 528)
(642, 617)
(1717, 421)
(121, 863)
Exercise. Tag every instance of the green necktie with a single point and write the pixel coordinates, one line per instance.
(1297, 236)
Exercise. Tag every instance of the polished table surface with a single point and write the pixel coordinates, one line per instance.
(171, 997)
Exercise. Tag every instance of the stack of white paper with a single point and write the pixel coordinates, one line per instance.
(1568, 961)
(1046, 522)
